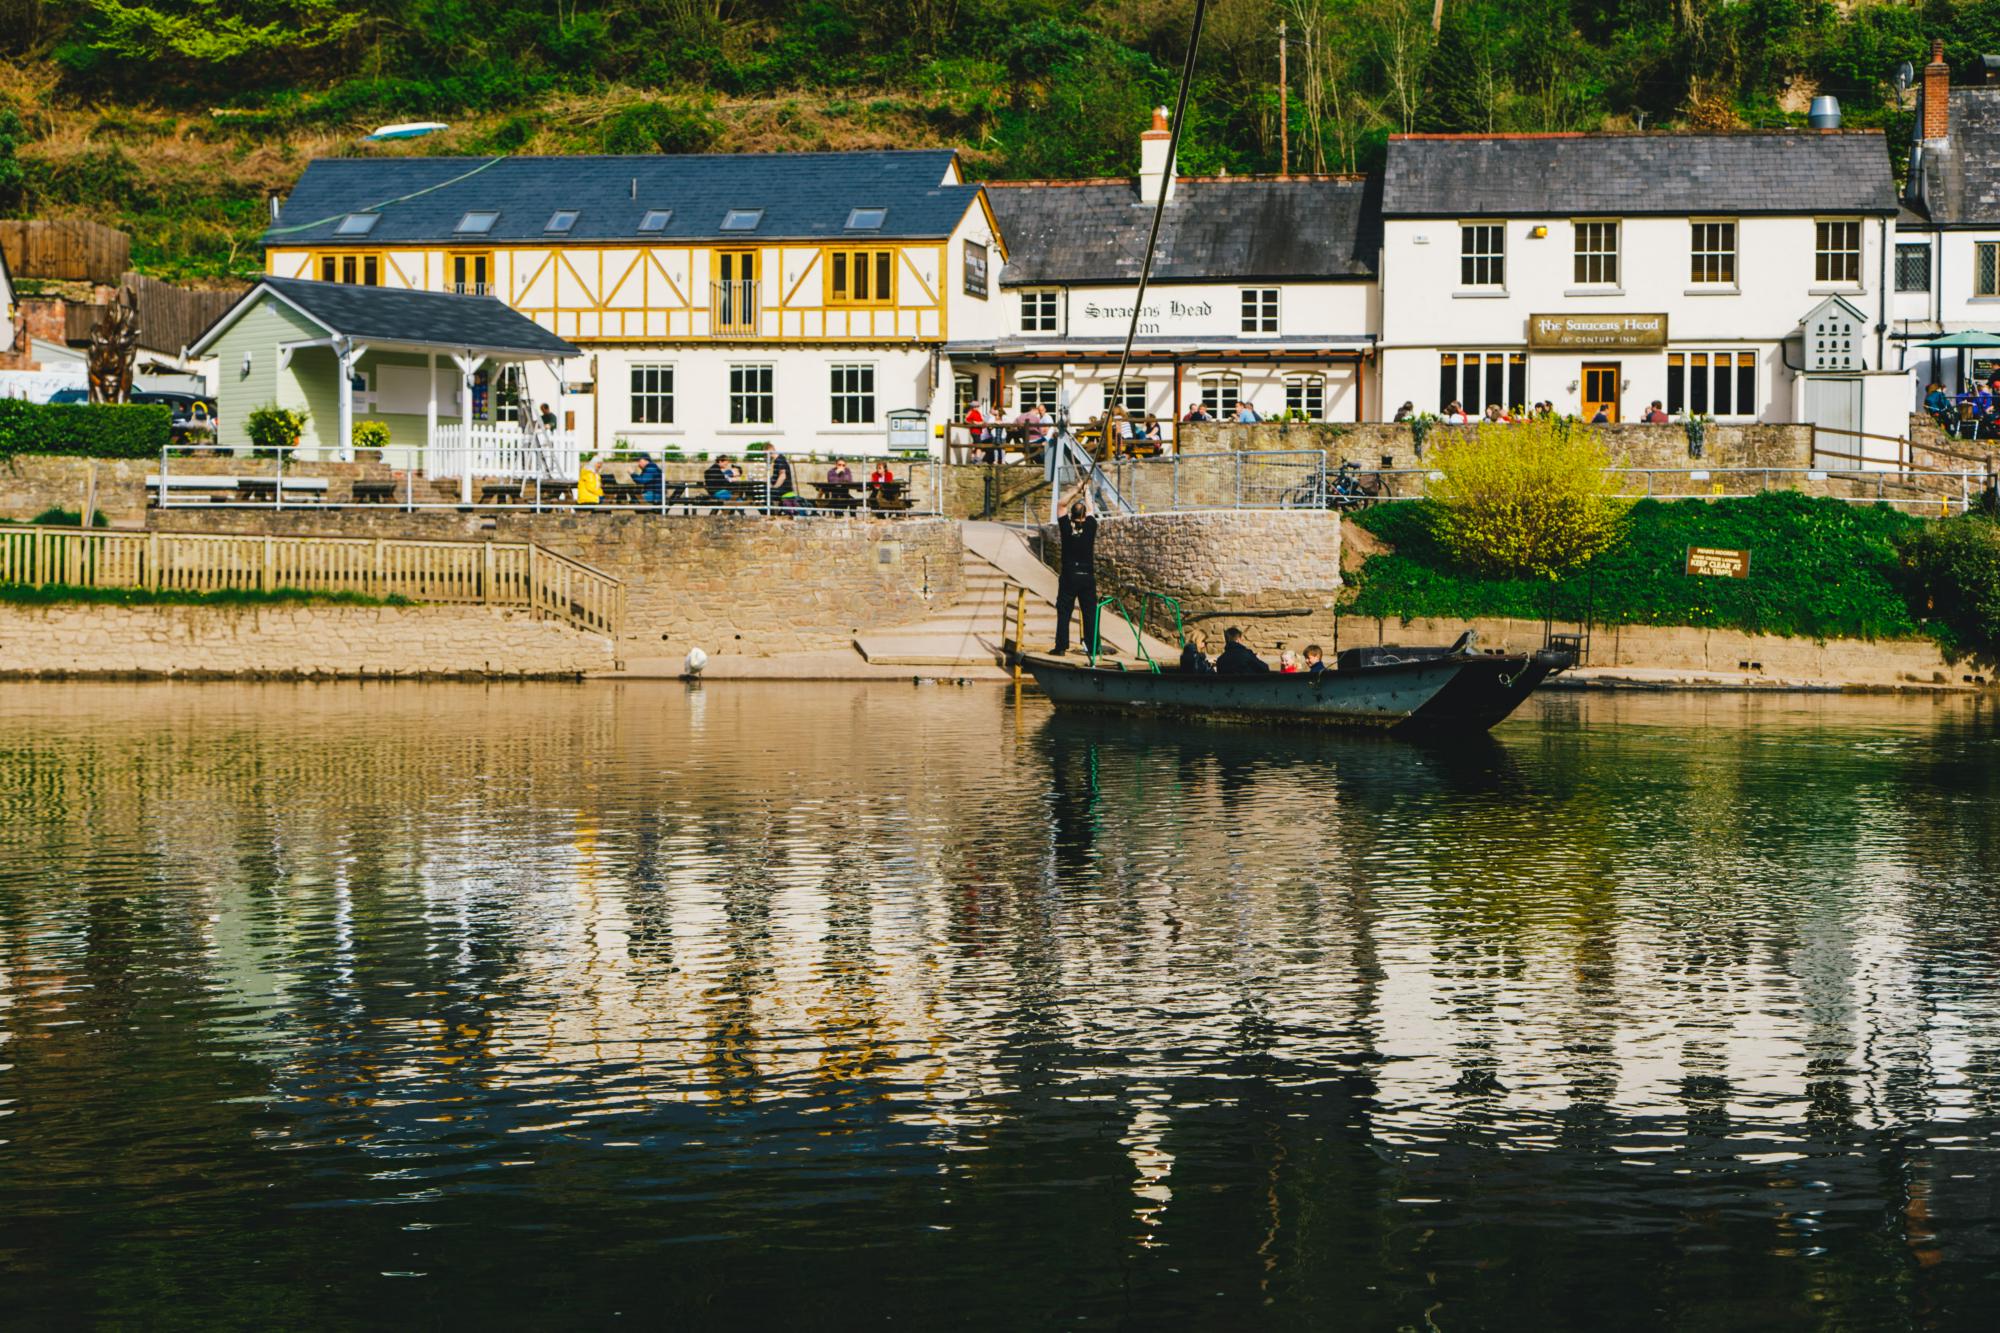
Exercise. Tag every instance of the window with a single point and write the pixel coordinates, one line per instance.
(354, 270)
(1913, 268)
(1712, 254)
(1478, 380)
(1986, 269)
(507, 394)
(1306, 395)
(563, 219)
(1260, 309)
(1717, 384)
(1597, 254)
(1220, 394)
(1134, 400)
(470, 275)
(751, 401)
(1039, 393)
(477, 222)
(963, 390)
(742, 219)
(652, 395)
(1038, 312)
(867, 219)
(357, 224)
(861, 277)
(853, 395)
(656, 219)
(1482, 255)
(1837, 253)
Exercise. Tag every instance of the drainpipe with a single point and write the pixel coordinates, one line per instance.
(1882, 303)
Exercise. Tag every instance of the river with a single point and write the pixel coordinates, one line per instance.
(813, 1006)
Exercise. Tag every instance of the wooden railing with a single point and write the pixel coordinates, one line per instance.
(484, 573)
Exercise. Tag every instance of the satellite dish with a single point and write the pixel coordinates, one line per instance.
(1906, 74)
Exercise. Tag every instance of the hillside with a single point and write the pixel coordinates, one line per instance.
(175, 121)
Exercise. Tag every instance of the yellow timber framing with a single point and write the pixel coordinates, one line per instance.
(344, 262)
(472, 259)
(839, 266)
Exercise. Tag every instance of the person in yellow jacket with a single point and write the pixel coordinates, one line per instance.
(589, 486)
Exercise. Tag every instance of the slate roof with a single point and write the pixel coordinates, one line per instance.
(1078, 233)
(389, 314)
(1958, 179)
(805, 196)
(1543, 175)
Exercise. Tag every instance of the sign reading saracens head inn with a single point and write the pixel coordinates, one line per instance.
(1596, 332)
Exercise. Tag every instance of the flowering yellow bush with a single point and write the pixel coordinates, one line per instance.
(1536, 499)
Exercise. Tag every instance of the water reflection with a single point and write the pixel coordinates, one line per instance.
(360, 1003)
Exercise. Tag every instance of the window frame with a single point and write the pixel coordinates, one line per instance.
(658, 396)
(648, 227)
(1215, 386)
(453, 258)
(569, 217)
(363, 260)
(346, 226)
(1136, 392)
(1733, 367)
(1049, 402)
(964, 393)
(857, 396)
(1606, 258)
(879, 211)
(1300, 390)
(464, 227)
(840, 271)
(1823, 278)
(1987, 253)
(1469, 259)
(1259, 311)
(1051, 314)
(1724, 261)
(741, 219)
(741, 396)
(1905, 249)
(1498, 376)
(509, 392)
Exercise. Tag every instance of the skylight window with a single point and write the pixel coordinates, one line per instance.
(656, 219)
(477, 223)
(742, 219)
(563, 219)
(867, 219)
(357, 224)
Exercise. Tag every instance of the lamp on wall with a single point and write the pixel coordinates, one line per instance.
(1572, 386)
(1539, 232)
(245, 372)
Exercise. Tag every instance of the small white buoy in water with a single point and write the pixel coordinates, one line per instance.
(696, 660)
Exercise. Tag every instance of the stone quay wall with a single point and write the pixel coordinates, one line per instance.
(725, 583)
(32, 483)
(300, 640)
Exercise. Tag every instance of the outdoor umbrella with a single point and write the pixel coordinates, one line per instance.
(1961, 341)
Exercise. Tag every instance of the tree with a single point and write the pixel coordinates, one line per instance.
(1537, 500)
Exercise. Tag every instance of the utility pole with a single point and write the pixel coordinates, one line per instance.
(1284, 108)
(1437, 18)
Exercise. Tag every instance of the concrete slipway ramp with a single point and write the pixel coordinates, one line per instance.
(970, 631)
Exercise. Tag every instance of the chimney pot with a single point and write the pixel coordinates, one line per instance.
(1934, 113)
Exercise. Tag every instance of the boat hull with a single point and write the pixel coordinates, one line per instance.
(1469, 692)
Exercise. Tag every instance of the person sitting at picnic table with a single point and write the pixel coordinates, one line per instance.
(1454, 414)
(1655, 415)
(648, 477)
(881, 476)
(1603, 417)
(1407, 412)
(839, 474)
(716, 478)
(1237, 659)
(1198, 413)
(1494, 415)
(1194, 656)
(1938, 403)
(1034, 425)
(1246, 415)
(1315, 660)
(589, 486)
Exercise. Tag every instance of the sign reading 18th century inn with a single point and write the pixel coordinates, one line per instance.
(1595, 332)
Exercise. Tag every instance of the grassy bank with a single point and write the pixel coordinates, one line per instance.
(58, 594)
(1818, 569)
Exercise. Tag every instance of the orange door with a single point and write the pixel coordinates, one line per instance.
(1600, 389)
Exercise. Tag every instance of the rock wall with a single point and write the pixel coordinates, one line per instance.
(31, 483)
(724, 583)
(299, 640)
(1390, 445)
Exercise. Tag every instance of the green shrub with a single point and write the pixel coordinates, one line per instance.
(86, 430)
(1535, 499)
(274, 427)
(55, 516)
(1953, 571)
(660, 127)
(369, 434)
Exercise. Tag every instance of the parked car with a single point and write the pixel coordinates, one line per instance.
(70, 396)
(193, 413)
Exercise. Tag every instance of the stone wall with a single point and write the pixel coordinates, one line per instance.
(1390, 445)
(1244, 561)
(31, 483)
(297, 640)
(742, 584)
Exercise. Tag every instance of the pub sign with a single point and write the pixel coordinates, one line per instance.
(1596, 333)
(975, 269)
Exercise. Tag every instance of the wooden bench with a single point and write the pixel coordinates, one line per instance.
(374, 492)
(500, 492)
(257, 490)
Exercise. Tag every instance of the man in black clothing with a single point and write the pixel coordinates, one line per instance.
(1237, 659)
(1076, 581)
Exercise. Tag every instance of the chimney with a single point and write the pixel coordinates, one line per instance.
(1156, 173)
(1934, 114)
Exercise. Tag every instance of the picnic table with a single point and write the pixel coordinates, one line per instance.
(374, 492)
(888, 496)
(500, 492)
(838, 494)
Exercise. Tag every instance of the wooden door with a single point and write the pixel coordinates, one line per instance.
(736, 292)
(1600, 389)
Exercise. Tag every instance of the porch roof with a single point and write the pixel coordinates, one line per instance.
(388, 315)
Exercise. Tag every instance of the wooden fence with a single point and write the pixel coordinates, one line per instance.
(66, 249)
(485, 573)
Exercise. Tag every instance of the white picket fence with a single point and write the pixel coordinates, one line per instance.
(505, 451)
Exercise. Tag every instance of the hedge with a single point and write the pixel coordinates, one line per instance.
(1954, 574)
(124, 430)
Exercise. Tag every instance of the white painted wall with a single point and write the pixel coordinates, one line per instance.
(1098, 315)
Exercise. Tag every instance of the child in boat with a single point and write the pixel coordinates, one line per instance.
(1288, 662)
(1194, 655)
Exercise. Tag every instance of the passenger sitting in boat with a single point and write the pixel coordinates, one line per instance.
(1194, 655)
(1237, 659)
(1315, 661)
(1288, 662)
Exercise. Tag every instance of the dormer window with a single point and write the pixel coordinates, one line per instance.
(742, 219)
(562, 220)
(867, 219)
(357, 224)
(656, 219)
(477, 222)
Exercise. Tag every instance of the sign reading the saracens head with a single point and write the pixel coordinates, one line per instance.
(1596, 332)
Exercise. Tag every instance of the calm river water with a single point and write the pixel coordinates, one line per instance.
(769, 1006)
